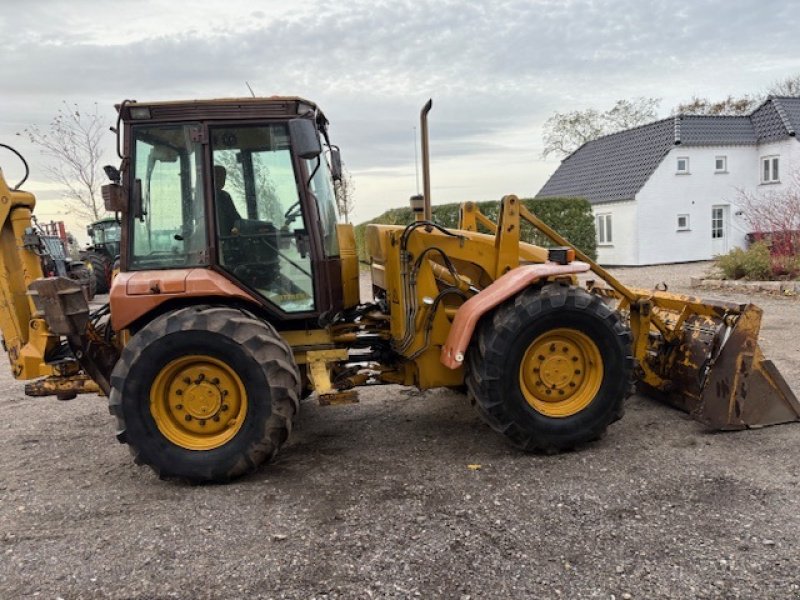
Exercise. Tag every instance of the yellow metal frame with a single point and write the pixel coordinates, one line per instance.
(25, 334)
(424, 295)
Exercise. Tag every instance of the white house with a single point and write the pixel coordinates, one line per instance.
(670, 191)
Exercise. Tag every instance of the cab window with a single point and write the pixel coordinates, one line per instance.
(170, 230)
(263, 238)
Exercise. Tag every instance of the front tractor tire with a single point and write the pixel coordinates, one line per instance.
(205, 394)
(550, 368)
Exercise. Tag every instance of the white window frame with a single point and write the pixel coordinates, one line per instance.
(771, 166)
(685, 226)
(724, 168)
(605, 229)
(678, 170)
(717, 222)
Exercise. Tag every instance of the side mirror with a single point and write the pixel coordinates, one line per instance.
(336, 164)
(113, 198)
(112, 173)
(305, 139)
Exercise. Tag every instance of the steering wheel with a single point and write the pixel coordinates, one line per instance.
(293, 212)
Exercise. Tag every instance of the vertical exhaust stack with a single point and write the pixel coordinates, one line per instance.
(426, 165)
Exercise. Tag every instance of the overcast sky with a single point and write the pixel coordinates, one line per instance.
(495, 70)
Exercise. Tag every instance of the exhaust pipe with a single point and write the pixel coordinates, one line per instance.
(426, 166)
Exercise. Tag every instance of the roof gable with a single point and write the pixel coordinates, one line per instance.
(770, 121)
(789, 109)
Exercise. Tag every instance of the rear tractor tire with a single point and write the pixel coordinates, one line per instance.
(550, 368)
(101, 267)
(205, 394)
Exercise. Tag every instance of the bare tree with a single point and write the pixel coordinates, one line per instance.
(790, 86)
(729, 106)
(774, 216)
(631, 113)
(73, 140)
(344, 190)
(563, 133)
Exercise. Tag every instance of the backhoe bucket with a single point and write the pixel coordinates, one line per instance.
(740, 388)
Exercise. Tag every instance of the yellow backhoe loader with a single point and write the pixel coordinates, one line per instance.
(238, 295)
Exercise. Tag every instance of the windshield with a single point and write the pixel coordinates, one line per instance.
(322, 188)
(167, 167)
(106, 233)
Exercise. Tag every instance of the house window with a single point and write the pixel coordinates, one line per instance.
(604, 235)
(769, 169)
(717, 230)
(683, 222)
(721, 164)
(682, 167)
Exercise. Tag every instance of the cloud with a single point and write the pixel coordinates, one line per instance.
(495, 70)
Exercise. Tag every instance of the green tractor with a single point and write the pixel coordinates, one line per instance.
(103, 251)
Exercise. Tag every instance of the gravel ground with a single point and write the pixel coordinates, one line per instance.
(377, 500)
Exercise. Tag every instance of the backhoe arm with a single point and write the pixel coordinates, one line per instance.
(26, 337)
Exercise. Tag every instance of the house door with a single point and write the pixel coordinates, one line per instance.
(719, 229)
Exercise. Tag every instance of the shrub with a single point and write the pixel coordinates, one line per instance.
(786, 267)
(753, 263)
(570, 217)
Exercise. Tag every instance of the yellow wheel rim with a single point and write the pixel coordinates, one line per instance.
(198, 402)
(561, 372)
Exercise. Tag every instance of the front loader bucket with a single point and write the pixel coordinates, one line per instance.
(742, 389)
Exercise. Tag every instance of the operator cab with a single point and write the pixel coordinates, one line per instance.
(242, 187)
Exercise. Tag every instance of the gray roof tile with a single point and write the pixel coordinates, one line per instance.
(768, 122)
(715, 131)
(613, 167)
(790, 107)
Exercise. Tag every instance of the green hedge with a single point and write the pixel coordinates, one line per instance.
(571, 217)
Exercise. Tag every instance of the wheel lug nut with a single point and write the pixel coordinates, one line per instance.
(540, 357)
(224, 393)
(188, 417)
(574, 359)
(552, 347)
(187, 381)
(216, 418)
(571, 384)
(215, 381)
(179, 392)
(224, 407)
(577, 371)
(179, 407)
(202, 421)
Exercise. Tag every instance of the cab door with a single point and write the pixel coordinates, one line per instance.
(260, 222)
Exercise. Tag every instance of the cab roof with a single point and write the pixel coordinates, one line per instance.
(216, 108)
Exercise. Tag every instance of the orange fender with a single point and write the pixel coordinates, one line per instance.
(499, 291)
